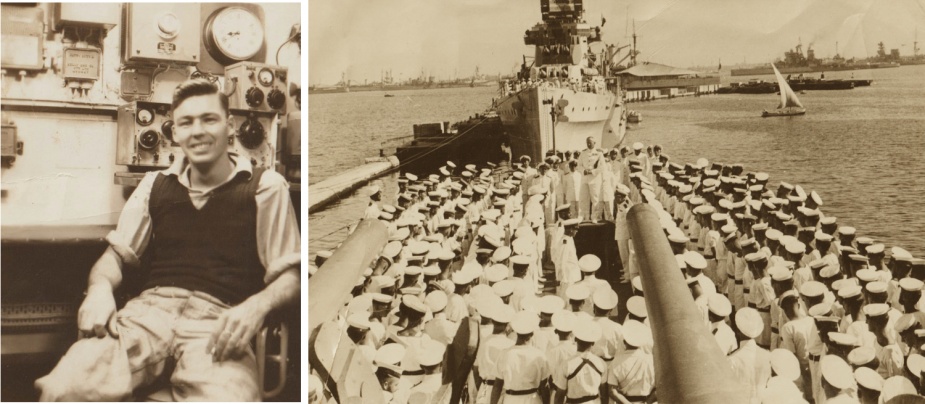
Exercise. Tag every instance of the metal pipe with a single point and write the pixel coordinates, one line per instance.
(329, 289)
(689, 366)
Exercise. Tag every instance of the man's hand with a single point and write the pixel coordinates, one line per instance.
(97, 313)
(235, 329)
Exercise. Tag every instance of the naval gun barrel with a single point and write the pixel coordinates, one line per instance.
(329, 289)
(689, 366)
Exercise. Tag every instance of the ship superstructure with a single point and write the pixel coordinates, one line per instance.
(564, 96)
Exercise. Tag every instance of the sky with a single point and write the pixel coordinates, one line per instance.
(449, 38)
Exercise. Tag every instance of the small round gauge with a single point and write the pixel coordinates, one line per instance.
(168, 25)
(144, 116)
(265, 77)
(235, 33)
(148, 140)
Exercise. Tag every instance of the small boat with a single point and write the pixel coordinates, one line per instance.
(788, 100)
(633, 117)
(389, 95)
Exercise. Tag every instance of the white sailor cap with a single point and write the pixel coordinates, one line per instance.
(780, 390)
(896, 386)
(501, 313)
(431, 353)
(895, 252)
(496, 273)
(637, 283)
(840, 338)
(911, 284)
(905, 322)
(785, 364)
(812, 289)
(828, 220)
(550, 304)
(719, 305)
(411, 176)
(380, 282)
(589, 263)
(636, 306)
(462, 277)
(525, 322)
(849, 291)
(916, 364)
(868, 378)
(876, 287)
(820, 309)
(755, 257)
(876, 309)
(605, 298)
(695, 260)
(677, 237)
(836, 372)
(749, 322)
(773, 234)
(380, 298)
(637, 334)
(847, 230)
(875, 249)
(564, 321)
(359, 321)
(760, 226)
(561, 208)
(389, 356)
(587, 330)
(780, 273)
(796, 247)
(436, 301)
(571, 222)
(577, 292)
(828, 271)
(638, 146)
(862, 355)
(503, 288)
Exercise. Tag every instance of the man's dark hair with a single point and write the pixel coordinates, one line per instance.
(194, 87)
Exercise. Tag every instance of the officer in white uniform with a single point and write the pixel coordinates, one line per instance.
(590, 164)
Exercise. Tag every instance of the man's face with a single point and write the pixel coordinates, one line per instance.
(590, 142)
(202, 128)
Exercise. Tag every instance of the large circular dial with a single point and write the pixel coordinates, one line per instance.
(251, 134)
(236, 33)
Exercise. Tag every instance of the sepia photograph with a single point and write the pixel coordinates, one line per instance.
(616, 201)
(151, 194)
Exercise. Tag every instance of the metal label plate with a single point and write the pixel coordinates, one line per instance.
(82, 64)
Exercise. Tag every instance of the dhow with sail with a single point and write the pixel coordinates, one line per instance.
(788, 99)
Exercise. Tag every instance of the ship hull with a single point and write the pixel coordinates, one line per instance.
(810, 69)
(529, 125)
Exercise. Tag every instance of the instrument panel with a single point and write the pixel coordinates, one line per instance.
(161, 32)
(257, 86)
(146, 136)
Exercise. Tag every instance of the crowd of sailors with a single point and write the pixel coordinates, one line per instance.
(804, 308)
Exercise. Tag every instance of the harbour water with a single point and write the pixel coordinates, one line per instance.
(862, 150)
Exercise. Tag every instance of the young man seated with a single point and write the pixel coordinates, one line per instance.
(217, 244)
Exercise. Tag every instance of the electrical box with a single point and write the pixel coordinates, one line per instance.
(22, 33)
(91, 15)
(145, 135)
(161, 32)
(10, 146)
(146, 141)
(257, 86)
(231, 33)
(256, 137)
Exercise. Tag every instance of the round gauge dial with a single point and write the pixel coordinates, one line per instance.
(236, 33)
(148, 140)
(144, 117)
(265, 77)
(168, 25)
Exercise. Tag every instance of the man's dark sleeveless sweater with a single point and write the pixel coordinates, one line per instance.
(212, 250)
